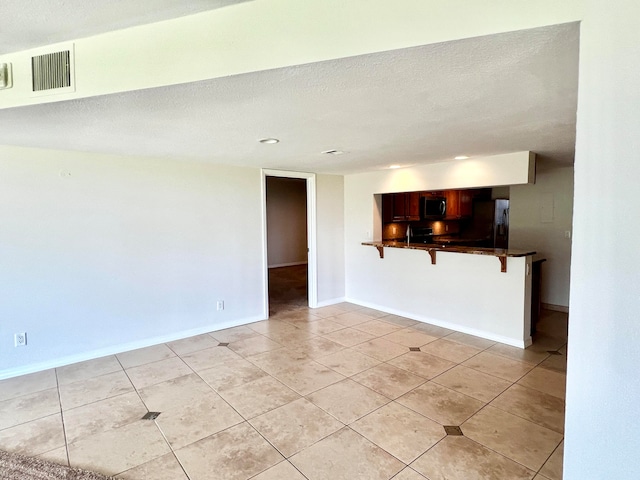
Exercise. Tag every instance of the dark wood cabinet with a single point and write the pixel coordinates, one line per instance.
(387, 208)
(465, 203)
(480, 193)
(405, 206)
(459, 203)
(453, 204)
(413, 206)
(433, 194)
(401, 207)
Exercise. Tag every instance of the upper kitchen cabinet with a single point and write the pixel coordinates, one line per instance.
(453, 200)
(401, 207)
(405, 206)
(459, 203)
(412, 202)
(387, 208)
(465, 203)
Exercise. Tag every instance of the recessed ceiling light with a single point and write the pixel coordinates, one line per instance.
(333, 152)
(460, 157)
(269, 140)
(394, 166)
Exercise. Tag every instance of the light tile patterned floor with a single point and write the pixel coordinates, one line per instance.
(293, 398)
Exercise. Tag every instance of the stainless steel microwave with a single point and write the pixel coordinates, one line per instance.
(433, 208)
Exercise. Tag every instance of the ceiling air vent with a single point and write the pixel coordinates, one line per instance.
(52, 72)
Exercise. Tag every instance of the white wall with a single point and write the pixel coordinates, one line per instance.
(603, 381)
(330, 244)
(286, 221)
(406, 283)
(121, 253)
(532, 227)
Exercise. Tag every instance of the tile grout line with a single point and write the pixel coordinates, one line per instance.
(224, 399)
(550, 455)
(155, 422)
(64, 429)
(503, 455)
(495, 451)
(475, 413)
(520, 416)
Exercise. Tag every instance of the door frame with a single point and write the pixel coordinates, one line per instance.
(312, 260)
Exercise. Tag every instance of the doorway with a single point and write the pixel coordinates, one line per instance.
(289, 241)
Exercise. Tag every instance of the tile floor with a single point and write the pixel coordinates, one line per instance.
(331, 393)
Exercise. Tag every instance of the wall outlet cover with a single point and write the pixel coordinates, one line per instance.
(20, 339)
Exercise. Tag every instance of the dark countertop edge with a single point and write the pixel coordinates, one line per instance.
(496, 252)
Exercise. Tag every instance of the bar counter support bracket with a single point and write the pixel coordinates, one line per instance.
(432, 254)
(381, 251)
(503, 264)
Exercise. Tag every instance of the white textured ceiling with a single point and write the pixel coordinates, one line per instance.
(33, 23)
(481, 96)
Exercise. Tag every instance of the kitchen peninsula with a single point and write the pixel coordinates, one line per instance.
(463, 288)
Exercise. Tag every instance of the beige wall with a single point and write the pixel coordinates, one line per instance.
(286, 221)
(331, 243)
(531, 226)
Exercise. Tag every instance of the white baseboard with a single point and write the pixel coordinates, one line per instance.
(327, 303)
(291, 264)
(125, 347)
(555, 308)
(451, 326)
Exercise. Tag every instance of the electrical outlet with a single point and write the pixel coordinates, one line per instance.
(567, 234)
(220, 305)
(20, 339)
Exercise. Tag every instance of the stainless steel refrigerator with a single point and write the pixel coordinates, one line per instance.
(490, 223)
(501, 224)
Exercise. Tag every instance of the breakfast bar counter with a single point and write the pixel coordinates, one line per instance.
(432, 248)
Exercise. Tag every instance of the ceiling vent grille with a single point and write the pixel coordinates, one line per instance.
(52, 72)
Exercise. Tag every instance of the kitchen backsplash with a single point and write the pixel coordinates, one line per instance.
(398, 230)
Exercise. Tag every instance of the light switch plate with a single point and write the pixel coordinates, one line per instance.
(5, 76)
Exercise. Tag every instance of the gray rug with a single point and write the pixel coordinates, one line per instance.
(19, 467)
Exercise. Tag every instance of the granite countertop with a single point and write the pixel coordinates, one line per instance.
(435, 247)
